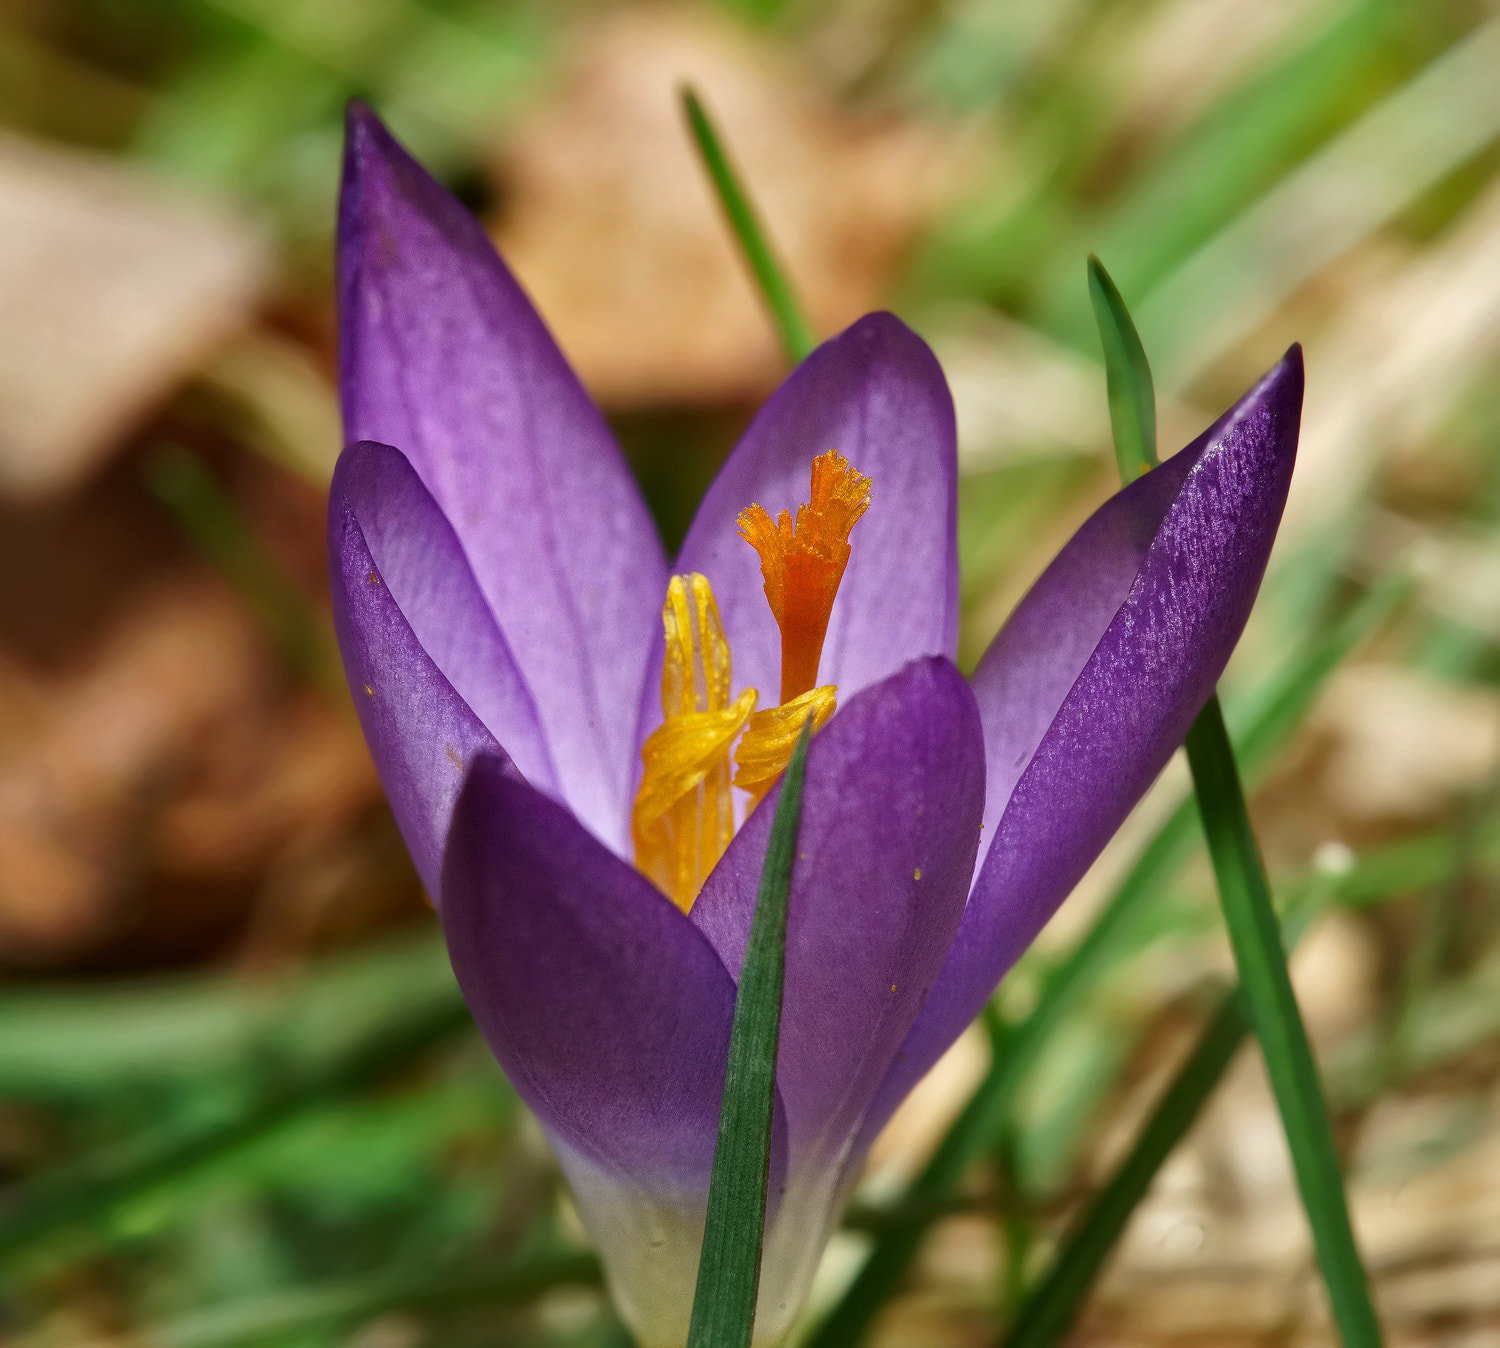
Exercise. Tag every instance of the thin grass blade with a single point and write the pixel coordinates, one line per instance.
(1127, 374)
(792, 327)
(1255, 936)
(1050, 1310)
(729, 1268)
(1244, 892)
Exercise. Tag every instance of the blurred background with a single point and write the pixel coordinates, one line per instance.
(240, 1101)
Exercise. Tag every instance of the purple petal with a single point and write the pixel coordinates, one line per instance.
(1096, 678)
(877, 395)
(442, 354)
(421, 733)
(608, 1009)
(422, 564)
(890, 826)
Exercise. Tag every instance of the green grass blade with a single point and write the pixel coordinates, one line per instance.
(792, 327)
(1244, 891)
(1256, 937)
(1132, 398)
(729, 1268)
(1291, 693)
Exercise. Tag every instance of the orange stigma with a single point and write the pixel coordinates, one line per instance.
(803, 565)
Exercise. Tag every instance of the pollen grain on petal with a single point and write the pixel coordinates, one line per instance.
(803, 563)
(684, 816)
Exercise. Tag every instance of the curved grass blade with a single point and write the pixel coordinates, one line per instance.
(1127, 374)
(792, 327)
(729, 1267)
(1049, 1312)
(1244, 892)
(1290, 694)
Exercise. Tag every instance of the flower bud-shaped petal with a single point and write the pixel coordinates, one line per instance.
(442, 355)
(1094, 680)
(610, 1013)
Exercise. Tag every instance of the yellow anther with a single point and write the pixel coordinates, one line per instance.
(684, 814)
(803, 565)
(771, 736)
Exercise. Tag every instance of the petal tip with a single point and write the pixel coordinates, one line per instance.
(365, 136)
(1284, 380)
(880, 327)
(381, 181)
(1281, 392)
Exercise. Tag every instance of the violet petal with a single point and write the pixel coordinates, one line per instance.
(421, 733)
(877, 395)
(421, 562)
(607, 1008)
(1077, 731)
(610, 1013)
(442, 354)
(890, 825)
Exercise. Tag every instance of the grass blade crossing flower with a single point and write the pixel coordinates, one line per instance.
(734, 1230)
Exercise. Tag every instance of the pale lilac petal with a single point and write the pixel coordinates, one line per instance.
(442, 354)
(1100, 720)
(890, 825)
(876, 395)
(421, 733)
(420, 561)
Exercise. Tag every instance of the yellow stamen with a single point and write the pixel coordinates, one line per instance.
(803, 566)
(684, 816)
(771, 736)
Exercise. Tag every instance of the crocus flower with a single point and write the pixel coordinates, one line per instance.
(498, 589)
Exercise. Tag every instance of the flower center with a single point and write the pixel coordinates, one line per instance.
(684, 811)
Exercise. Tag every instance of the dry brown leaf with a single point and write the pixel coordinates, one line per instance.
(113, 286)
(613, 228)
(109, 740)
